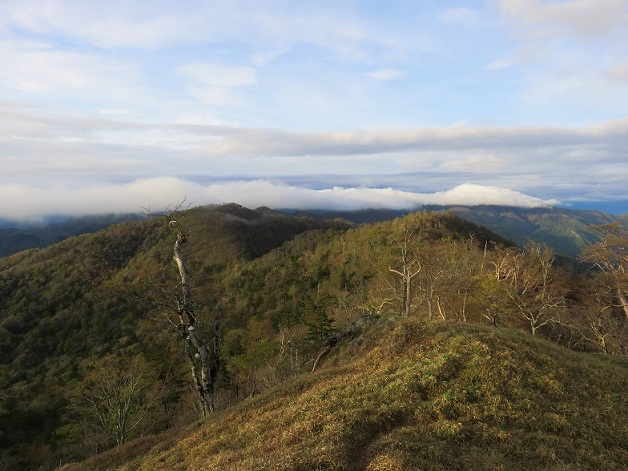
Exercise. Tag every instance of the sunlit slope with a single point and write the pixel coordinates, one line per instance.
(409, 395)
(567, 231)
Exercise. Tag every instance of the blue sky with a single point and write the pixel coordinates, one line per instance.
(118, 105)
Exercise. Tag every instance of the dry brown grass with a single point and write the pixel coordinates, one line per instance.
(415, 396)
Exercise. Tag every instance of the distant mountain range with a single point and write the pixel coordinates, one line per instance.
(567, 231)
(15, 237)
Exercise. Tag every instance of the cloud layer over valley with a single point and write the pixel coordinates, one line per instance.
(112, 107)
(159, 193)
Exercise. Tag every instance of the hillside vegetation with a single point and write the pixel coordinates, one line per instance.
(567, 231)
(68, 305)
(408, 395)
(270, 297)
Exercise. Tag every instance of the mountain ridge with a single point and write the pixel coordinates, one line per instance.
(281, 289)
(566, 230)
(407, 395)
(16, 237)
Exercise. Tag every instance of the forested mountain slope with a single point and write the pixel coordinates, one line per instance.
(85, 297)
(271, 296)
(567, 231)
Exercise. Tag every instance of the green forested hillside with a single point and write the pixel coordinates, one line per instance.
(85, 297)
(567, 231)
(274, 296)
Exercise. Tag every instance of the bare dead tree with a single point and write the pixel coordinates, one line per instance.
(115, 399)
(203, 365)
(610, 256)
(203, 357)
(534, 287)
(409, 269)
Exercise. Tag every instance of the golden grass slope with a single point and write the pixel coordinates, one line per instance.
(410, 395)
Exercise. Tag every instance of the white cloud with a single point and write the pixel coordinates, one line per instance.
(476, 162)
(265, 58)
(214, 84)
(619, 71)
(285, 143)
(151, 25)
(84, 149)
(470, 194)
(38, 67)
(570, 53)
(158, 193)
(219, 75)
(386, 74)
(217, 96)
(264, 88)
(580, 19)
(458, 15)
(116, 23)
(498, 64)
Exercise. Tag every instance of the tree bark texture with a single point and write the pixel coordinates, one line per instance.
(203, 365)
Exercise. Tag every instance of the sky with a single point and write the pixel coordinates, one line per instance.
(128, 104)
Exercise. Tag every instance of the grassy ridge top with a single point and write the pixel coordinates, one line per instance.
(412, 395)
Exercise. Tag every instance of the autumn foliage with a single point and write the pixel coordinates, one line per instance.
(95, 314)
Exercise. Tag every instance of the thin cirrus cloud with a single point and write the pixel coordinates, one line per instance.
(579, 19)
(213, 83)
(498, 64)
(567, 50)
(458, 16)
(219, 75)
(38, 67)
(385, 74)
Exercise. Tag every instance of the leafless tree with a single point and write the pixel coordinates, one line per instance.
(532, 286)
(462, 263)
(203, 357)
(406, 241)
(610, 256)
(115, 399)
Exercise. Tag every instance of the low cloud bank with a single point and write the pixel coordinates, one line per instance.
(25, 203)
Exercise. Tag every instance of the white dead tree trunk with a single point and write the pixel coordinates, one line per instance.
(204, 365)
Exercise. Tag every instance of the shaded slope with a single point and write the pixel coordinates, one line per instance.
(69, 277)
(24, 237)
(82, 298)
(410, 395)
(358, 216)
